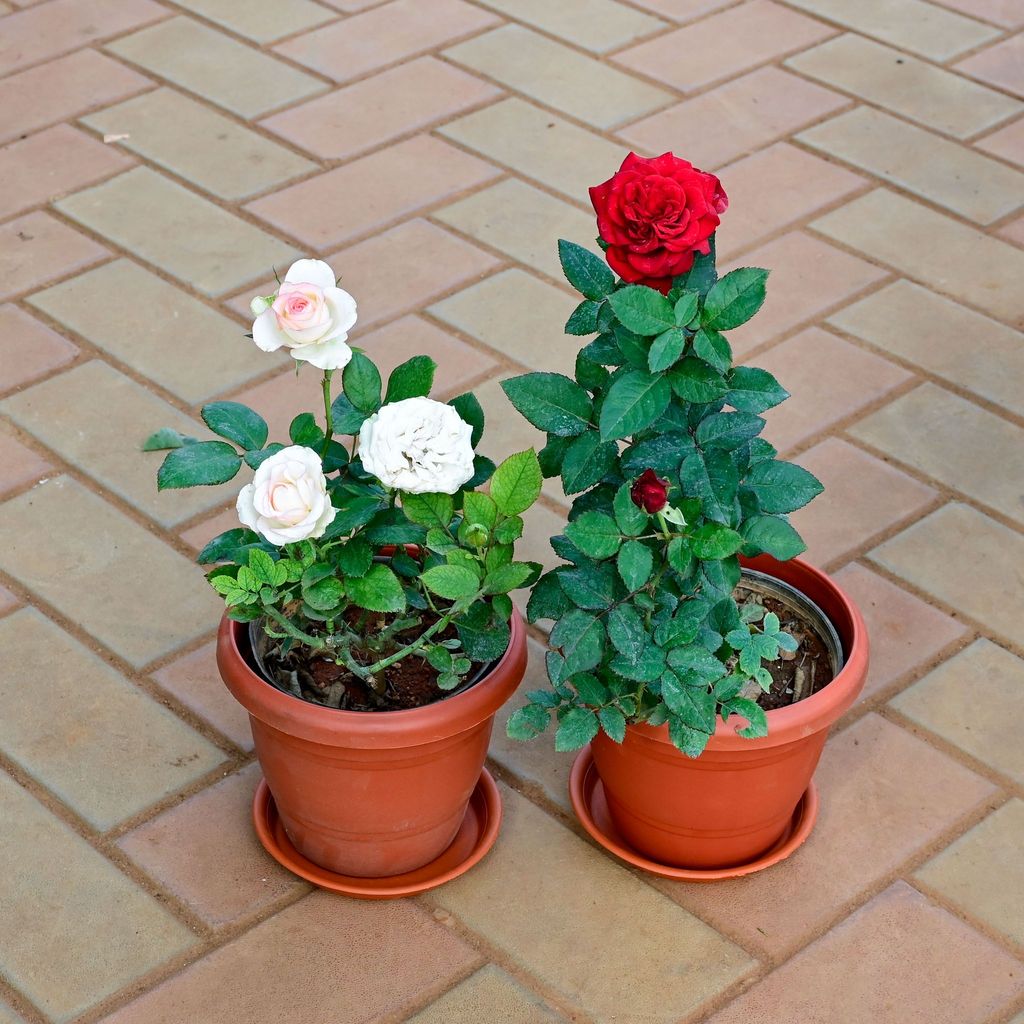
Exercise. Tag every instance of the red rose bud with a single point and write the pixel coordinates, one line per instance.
(655, 216)
(650, 492)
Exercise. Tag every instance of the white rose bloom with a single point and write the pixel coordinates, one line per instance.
(418, 446)
(287, 500)
(310, 316)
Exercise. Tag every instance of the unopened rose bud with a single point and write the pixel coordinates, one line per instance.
(650, 492)
(260, 304)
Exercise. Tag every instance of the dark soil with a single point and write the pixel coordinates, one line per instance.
(797, 675)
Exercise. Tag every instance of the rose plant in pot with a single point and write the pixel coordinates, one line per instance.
(368, 629)
(694, 657)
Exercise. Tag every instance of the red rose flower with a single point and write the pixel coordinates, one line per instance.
(655, 215)
(650, 492)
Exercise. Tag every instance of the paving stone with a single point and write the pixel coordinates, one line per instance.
(558, 929)
(183, 345)
(942, 252)
(725, 44)
(973, 700)
(38, 248)
(905, 85)
(597, 25)
(954, 441)
(384, 35)
(199, 535)
(263, 21)
(863, 496)
(61, 89)
(258, 977)
(773, 189)
(946, 339)
(1001, 65)
(535, 762)
(87, 734)
(828, 379)
(932, 167)
(97, 418)
(76, 929)
(362, 116)
(489, 995)
(83, 556)
(541, 524)
(1008, 142)
(905, 632)
(982, 872)
(34, 35)
(522, 221)
(737, 118)
(8, 601)
(221, 872)
(538, 145)
(559, 76)
(807, 278)
(19, 465)
(683, 10)
(200, 145)
(216, 67)
(1014, 231)
(369, 192)
(966, 560)
(519, 316)
(29, 349)
(900, 937)
(8, 1016)
(176, 230)
(873, 771)
(912, 25)
(194, 680)
(1002, 12)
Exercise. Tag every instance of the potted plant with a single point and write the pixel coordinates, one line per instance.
(368, 628)
(699, 662)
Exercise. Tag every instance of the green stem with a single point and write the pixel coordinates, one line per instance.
(328, 413)
(293, 630)
(414, 646)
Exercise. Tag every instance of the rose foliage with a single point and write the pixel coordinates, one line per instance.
(658, 440)
(365, 538)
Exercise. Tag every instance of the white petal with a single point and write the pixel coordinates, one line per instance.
(330, 355)
(342, 307)
(244, 506)
(265, 332)
(311, 272)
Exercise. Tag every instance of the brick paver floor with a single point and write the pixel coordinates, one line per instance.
(160, 156)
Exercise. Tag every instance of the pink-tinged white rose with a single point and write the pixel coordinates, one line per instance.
(287, 500)
(310, 316)
(418, 446)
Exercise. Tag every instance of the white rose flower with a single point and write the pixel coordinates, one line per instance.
(310, 316)
(287, 500)
(418, 446)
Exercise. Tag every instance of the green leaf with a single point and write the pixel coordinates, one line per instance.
(480, 508)
(205, 462)
(590, 375)
(686, 308)
(713, 541)
(256, 459)
(412, 379)
(551, 402)
(362, 383)
(697, 664)
(225, 547)
(355, 512)
(771, 535)
(663, 453)
(590, 689)
(266, 568)
(687, 740)
(595, 534)
(694, 705)
(516, 483)
(779, 486)
(702, 275)
(430, 510)
(712, 478)
(547, 599)
(345, 417)
(380, 590)
(666, 349)
(583, 319)
(580, 636)
(576, 729)
(508, 531)
(728, 430)
(587, 460)
(735, 298)
(635, 563)
(304, 431)
(626, 631)
(753, 713)
(713, 348)
(471, 411)
(587, 273)
(642, 310)
(614, 723)
(483, 470)
(631, 519)
(508, 577)
(483, 636)
(354, 558)
(166, 438)
(647, 668)
(633, 403)
(451, 582)
(237, 423)
(590, 586)
(694, 381)
(325, 594)
(754, 390)
(527, 722)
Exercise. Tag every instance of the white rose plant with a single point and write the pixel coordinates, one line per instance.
(365, 541)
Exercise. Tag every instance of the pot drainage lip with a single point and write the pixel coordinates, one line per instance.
(476, 836)
(587, 793)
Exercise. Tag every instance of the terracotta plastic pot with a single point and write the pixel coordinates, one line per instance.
(370, 794)
(735, 801)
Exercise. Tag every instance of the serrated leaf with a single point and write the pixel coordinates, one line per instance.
(516, 483)
(354, 558)
(633, 403)
(635, 563)
(362, 383)
(666, 349)
(527, 722)
(225, 546)
(483, 637)
(685, 308)
(728, 430)
(325, 595)
(304, 430)
(471, 411)
(590, 586)
(771, 535)
(712, 478)
(595, 534)
(663, 453)
(713, 541)
(547, 599)
(583, 319)
(345, 417)
(587, 460)
(256, 459)
(451, 582)
(713, 348)
(551, 402)
(627, 632)
(165, 438)
(576, 729)
(202, 463)
(630, 518)
(735, 298)
(380, 590)
(642, 310)
(237, 423)
(753, 713)
(780, 487)
(587, 273)
(614, 723)
(694, 381)
(412, 379)
(508, 577)
(754, 390)
(687, 740)
(429, 510)
(580, 636)
(695, 706)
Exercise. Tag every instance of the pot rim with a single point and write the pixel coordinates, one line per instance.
(821, 709)
(369, 729)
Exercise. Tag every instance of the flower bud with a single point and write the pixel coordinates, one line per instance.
(260, 304)
(650, 492)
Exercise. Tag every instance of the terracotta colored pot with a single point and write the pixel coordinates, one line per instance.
(735, 801)
(370, 794)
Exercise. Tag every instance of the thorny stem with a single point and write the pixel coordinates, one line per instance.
(292, 630)
(415, 645)
(328, 413)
